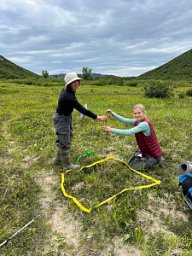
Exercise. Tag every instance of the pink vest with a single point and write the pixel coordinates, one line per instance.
(148, 145)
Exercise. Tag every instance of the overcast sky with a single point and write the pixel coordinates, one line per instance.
(119, 37)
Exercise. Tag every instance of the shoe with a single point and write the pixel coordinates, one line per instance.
(71, 167)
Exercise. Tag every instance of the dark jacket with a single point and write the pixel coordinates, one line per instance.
(68, 101)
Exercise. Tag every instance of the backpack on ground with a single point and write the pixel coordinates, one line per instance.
(141, 163)
(185, 181)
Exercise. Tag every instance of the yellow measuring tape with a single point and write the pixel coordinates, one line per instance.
(88, 210)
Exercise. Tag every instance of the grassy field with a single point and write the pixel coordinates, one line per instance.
(154, 221)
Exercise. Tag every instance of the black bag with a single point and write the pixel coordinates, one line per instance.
(141, 163)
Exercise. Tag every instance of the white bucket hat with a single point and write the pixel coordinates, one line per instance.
(71, 77)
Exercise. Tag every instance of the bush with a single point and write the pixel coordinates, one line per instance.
(109, 80)
(158, 89)
(182, 95)
(130, 83)
(189, 92)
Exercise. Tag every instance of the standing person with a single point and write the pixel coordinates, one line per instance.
(149, 153)
(62, 119)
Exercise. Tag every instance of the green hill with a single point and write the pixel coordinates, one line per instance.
(9, 70)
(180, 68)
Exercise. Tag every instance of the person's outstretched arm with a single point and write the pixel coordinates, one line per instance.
(120, 118)
(87, 112)
(142, 127)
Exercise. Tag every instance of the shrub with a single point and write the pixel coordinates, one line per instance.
(130, 83)
(189, 92)
(182, 95)
(158, 89)
(109, 80)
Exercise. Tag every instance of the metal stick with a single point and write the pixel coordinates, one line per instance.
(8, 239)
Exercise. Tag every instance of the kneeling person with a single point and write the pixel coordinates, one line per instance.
(149, 153)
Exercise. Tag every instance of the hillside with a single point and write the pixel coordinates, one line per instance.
(9, 70)
(180, 68)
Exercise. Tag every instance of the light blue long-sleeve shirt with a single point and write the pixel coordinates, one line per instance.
(141, 127)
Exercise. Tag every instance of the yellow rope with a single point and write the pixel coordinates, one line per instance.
(88, 210)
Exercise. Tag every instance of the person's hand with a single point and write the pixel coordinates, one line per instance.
(102, 118)
(109, 111)
(107, 129)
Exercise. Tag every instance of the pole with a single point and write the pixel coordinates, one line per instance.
(26, 225)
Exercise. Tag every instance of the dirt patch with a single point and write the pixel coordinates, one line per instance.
(47, 183)
(65, 229)
(63, 222)
(28, 161)
(152, 220)
(166, 206)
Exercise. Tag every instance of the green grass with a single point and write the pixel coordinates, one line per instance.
(155, 221)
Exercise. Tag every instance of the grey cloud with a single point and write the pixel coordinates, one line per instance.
(120, 37)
